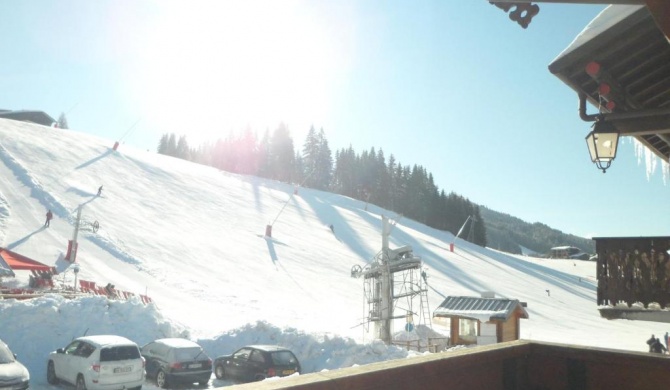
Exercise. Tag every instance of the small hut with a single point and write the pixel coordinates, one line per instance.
(481, 321)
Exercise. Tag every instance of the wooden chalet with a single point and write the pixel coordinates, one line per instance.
(620, 64)
(634, 277)
(481, 321)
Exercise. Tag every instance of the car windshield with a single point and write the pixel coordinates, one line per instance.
(283, 358)
(183, 354)
(125, 352)
(6, 356)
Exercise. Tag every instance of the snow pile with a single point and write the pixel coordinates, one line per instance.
(315, 352)
(35, 327)
(50, 322)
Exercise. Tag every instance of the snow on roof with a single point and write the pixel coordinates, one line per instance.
(564, 247)
(178, 343)
(268, 347)
(104, 340)
(482, 309)
(609, 17)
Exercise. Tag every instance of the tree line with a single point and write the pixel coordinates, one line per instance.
(367, 176)
(508, 234)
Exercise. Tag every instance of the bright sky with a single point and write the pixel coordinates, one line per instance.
(191, 238)
(454, 86)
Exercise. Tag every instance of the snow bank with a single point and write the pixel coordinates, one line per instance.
(33, 328)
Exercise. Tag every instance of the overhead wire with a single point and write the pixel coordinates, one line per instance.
(131, 128)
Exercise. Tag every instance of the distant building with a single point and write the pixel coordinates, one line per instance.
(568, 252)
(32, 116)
(481, 321)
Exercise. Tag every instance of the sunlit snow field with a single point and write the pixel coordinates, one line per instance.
(192, 238)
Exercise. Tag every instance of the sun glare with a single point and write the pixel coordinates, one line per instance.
(214, 67)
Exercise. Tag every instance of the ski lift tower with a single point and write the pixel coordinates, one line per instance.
(392, 282)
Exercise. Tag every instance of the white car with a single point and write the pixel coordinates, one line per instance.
(13, 375)
(98, 362)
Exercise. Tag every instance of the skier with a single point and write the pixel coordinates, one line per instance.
(49, 217)
(651, 342)
(99, 190)
(658, 347)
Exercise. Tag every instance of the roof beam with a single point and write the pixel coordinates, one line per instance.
(642, 126)
(660, 10)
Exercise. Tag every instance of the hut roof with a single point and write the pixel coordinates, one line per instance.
(482, 309)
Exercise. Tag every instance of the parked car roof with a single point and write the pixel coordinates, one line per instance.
(268, 348)
(103, 340)
(177, 342)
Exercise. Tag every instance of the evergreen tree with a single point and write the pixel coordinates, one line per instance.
(229, 153)
(310, 157)
(479, 229)
(440, 210)
(243, 151)
(323, 169)
(455, 212)
(171, 149)
(281, 154)
(344, 175)
(365, 175)
(182, 150)
(203, 154)
(264, 156)
(381, 189)
(393, 182)
(62, 121)
(402, 180)
(163, 144)
(298, 174)
(417, 207)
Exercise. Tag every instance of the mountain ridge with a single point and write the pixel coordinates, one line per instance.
(508, 233)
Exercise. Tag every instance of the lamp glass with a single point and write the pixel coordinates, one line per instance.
(602, 142)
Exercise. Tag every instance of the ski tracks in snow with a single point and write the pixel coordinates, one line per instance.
(38, 191)
(4, 215)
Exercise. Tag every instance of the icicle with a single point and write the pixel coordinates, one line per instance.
(651, 161)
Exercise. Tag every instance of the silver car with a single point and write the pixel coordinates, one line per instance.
(13, 375)
(98, 362)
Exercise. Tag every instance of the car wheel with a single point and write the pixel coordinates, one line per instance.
(81, 384)
(51, 374)
(220, 371)
(259, 378)
(161, 379)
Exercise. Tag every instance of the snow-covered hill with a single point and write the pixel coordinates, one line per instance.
(192, 238)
